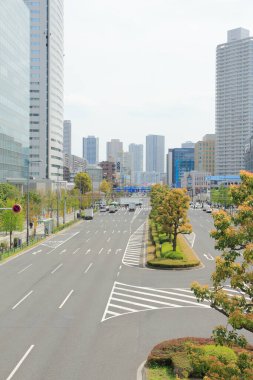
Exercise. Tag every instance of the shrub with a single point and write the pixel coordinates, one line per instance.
(224, 354)
(166, 248)
(174, 256)
(163, 238)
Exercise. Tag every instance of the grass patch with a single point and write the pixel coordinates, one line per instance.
(160, 373)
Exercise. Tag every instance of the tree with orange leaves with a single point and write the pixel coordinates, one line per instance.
(234, 237)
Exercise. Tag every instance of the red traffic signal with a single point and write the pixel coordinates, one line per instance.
(16, 208)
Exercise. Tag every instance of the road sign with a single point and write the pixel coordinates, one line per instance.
(16, 208)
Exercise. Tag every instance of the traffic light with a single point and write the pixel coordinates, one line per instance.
(16, 208)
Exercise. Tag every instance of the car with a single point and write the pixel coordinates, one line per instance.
(103, 209)
(208, 210)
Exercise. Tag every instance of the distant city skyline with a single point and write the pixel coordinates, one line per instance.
(145, 67)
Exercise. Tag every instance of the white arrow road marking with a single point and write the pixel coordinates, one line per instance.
(208, 257)
(118, 250)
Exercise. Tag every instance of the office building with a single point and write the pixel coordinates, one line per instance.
(46, 88)
(72, 165)
(91, 149)
(113, 149)
(155, 153)
(67, 137)
(96, 174)
(14, 90)
(195, 182)
(234, 101)
(136, 150)
(109, 170)
(187, 144)
(179, 161)
(204, 155)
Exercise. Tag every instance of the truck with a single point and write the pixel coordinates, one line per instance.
(112, 209)
(88, 214)
(132, 207)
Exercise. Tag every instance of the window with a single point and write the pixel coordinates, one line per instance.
(35, 27)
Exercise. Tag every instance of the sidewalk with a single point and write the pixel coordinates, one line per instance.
(39, 230)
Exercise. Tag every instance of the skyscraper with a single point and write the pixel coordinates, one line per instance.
(179, 161)
(46, 89)
(155, 153)
(205, 154)
(67, 137)
(14, 89)
(136, 151)
(234, 101)
(113, 148)
(91, 149)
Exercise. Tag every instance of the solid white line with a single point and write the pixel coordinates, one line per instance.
(100, 251)
(17, 304)
(88, 267)
(76, 251)
(20, 362)
(59, 266)
(108, 303)
(62, 304)
(25, 269)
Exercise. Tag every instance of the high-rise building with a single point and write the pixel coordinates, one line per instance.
(14, 90)
(187, 144)
(205, 154)
(91, 149)
(179, 161)
(46, 89)
(155, 153)
(136, 150)
(67, 137)
(113, 149)
(234, 101)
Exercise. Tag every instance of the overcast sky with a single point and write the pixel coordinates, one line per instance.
(138, 67)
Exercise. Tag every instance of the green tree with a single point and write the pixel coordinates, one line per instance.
(169, 209)
(7, 192)
(234, 237)
(83, 182)
(10, 221)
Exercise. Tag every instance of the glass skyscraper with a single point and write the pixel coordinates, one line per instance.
(91, 149)
(46, 92)
(14, 89)
(155, 153)
(234, 101)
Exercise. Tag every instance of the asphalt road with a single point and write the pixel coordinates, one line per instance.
(81, 306)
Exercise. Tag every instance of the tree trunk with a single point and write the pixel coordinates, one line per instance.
(175, 240)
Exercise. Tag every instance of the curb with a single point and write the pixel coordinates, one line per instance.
(141, 373)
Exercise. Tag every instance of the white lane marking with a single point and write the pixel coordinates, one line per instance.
(104, 232)
(63, 303)
(88, 267)
(209, 257)
(78, 249)
(100, 251)
(21, 271)
(59, 243)
(109, 251)
(120, 267)
(87, 240)
(108, 303)
(35, 253)
(118, 274)
(118, 250)
(17, 304)
(87, 252)
(20, 363)
(59, 266)
(87, 232)
(112, 231)
(108, 240)
(62, 252)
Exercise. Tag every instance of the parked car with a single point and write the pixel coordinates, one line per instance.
(132, 207)
(88, 214)
(112, 209)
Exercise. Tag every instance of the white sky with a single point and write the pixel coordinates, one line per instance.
(138, 67)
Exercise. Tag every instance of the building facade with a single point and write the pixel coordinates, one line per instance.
(136, 150)
(67, 137)
(109, 170)
(234, 101)
(113, 149)
(195, 182)
(204, 155)
(91, 149)
(179, 161)
(155, 153)
(14, 90)
(46, 88)
(73, 165)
